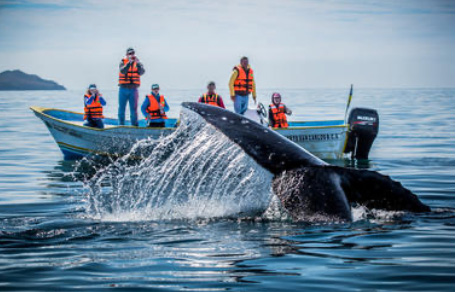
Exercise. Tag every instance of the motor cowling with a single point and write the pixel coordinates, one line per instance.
(364, 127)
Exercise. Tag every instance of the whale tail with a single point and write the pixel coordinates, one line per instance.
(309, 188)
(326, 193)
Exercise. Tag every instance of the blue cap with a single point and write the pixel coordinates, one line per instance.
(92, 86)
(155, 86)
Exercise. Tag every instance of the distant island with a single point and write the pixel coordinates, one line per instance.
(18, 80)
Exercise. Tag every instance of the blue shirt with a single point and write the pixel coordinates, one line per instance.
(146, 104)
(89, 100)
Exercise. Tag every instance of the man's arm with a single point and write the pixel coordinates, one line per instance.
(231, 84)
(124, 67)
(254, 94)
(140, 68)
(144, 107)
(201, 99)
(166, 107)
(102, 101)
(89, 100)
(220, 101)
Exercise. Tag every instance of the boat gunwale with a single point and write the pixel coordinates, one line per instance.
(41, 110)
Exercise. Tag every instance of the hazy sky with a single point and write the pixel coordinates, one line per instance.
(183, 44)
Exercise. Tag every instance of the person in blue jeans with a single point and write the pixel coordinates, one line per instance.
(241, 85)
(129, 81)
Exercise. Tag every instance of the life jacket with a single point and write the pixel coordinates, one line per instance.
(154, 108)
(279, 116)
(244, 83)
(132, 76)
(94, 109)
(210, 99)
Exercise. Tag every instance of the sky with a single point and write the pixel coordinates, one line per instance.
(184, 44)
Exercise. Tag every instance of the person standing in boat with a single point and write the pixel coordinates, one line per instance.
(129, 81)
(94, 102)
(211, 97)
(241, 85)
(277, 112)
(155, 107)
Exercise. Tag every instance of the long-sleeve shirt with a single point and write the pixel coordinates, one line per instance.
(89, 100)
(220, 101)
(146, 104)
(271, 118)
(231, 84)
(124, 69)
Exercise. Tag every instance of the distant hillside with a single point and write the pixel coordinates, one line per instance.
(18, 80)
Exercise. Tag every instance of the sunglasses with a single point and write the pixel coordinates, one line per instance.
(132, 53)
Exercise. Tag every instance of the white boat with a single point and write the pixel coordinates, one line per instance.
(325, 139)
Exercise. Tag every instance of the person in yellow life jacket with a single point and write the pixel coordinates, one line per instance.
(277, 112)
(155, 107)
(241, 85)
(211, 97)
(94, 102)
(129, 79)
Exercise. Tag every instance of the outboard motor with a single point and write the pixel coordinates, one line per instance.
(364, 126)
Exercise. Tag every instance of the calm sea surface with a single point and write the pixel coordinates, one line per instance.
(49, 243)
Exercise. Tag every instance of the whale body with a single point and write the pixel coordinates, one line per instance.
(307, 186)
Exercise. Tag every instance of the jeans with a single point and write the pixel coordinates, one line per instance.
(95, 123)
(125, 95)
(241, 103)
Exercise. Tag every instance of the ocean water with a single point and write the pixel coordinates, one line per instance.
(168, 223)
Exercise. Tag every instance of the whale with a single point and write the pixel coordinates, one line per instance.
(308, 187)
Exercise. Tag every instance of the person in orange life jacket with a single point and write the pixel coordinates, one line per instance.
(277, 112)
(242, 84)
(129, 80)
(155, 107)
(93, 102)
(211, 97)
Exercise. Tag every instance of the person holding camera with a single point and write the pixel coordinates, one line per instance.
(129, 81)
(93, 102)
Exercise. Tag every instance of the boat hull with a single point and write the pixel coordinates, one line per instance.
(76, 141)
(326, 142)
(325, 139)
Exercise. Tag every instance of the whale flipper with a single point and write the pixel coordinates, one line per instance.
(309, 188)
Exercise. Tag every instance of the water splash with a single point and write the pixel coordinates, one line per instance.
(193, 173)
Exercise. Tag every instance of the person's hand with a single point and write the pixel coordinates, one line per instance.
(233, 98)
(255, 99)
(288, 112)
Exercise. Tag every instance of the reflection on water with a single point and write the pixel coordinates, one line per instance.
(45, 234)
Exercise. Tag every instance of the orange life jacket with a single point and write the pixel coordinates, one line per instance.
(94, 109)
(132, 76)
(279, 116)
(244, 83)
(210, 99)
(154, 108)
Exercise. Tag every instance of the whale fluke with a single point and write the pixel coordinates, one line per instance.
(309, 188)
